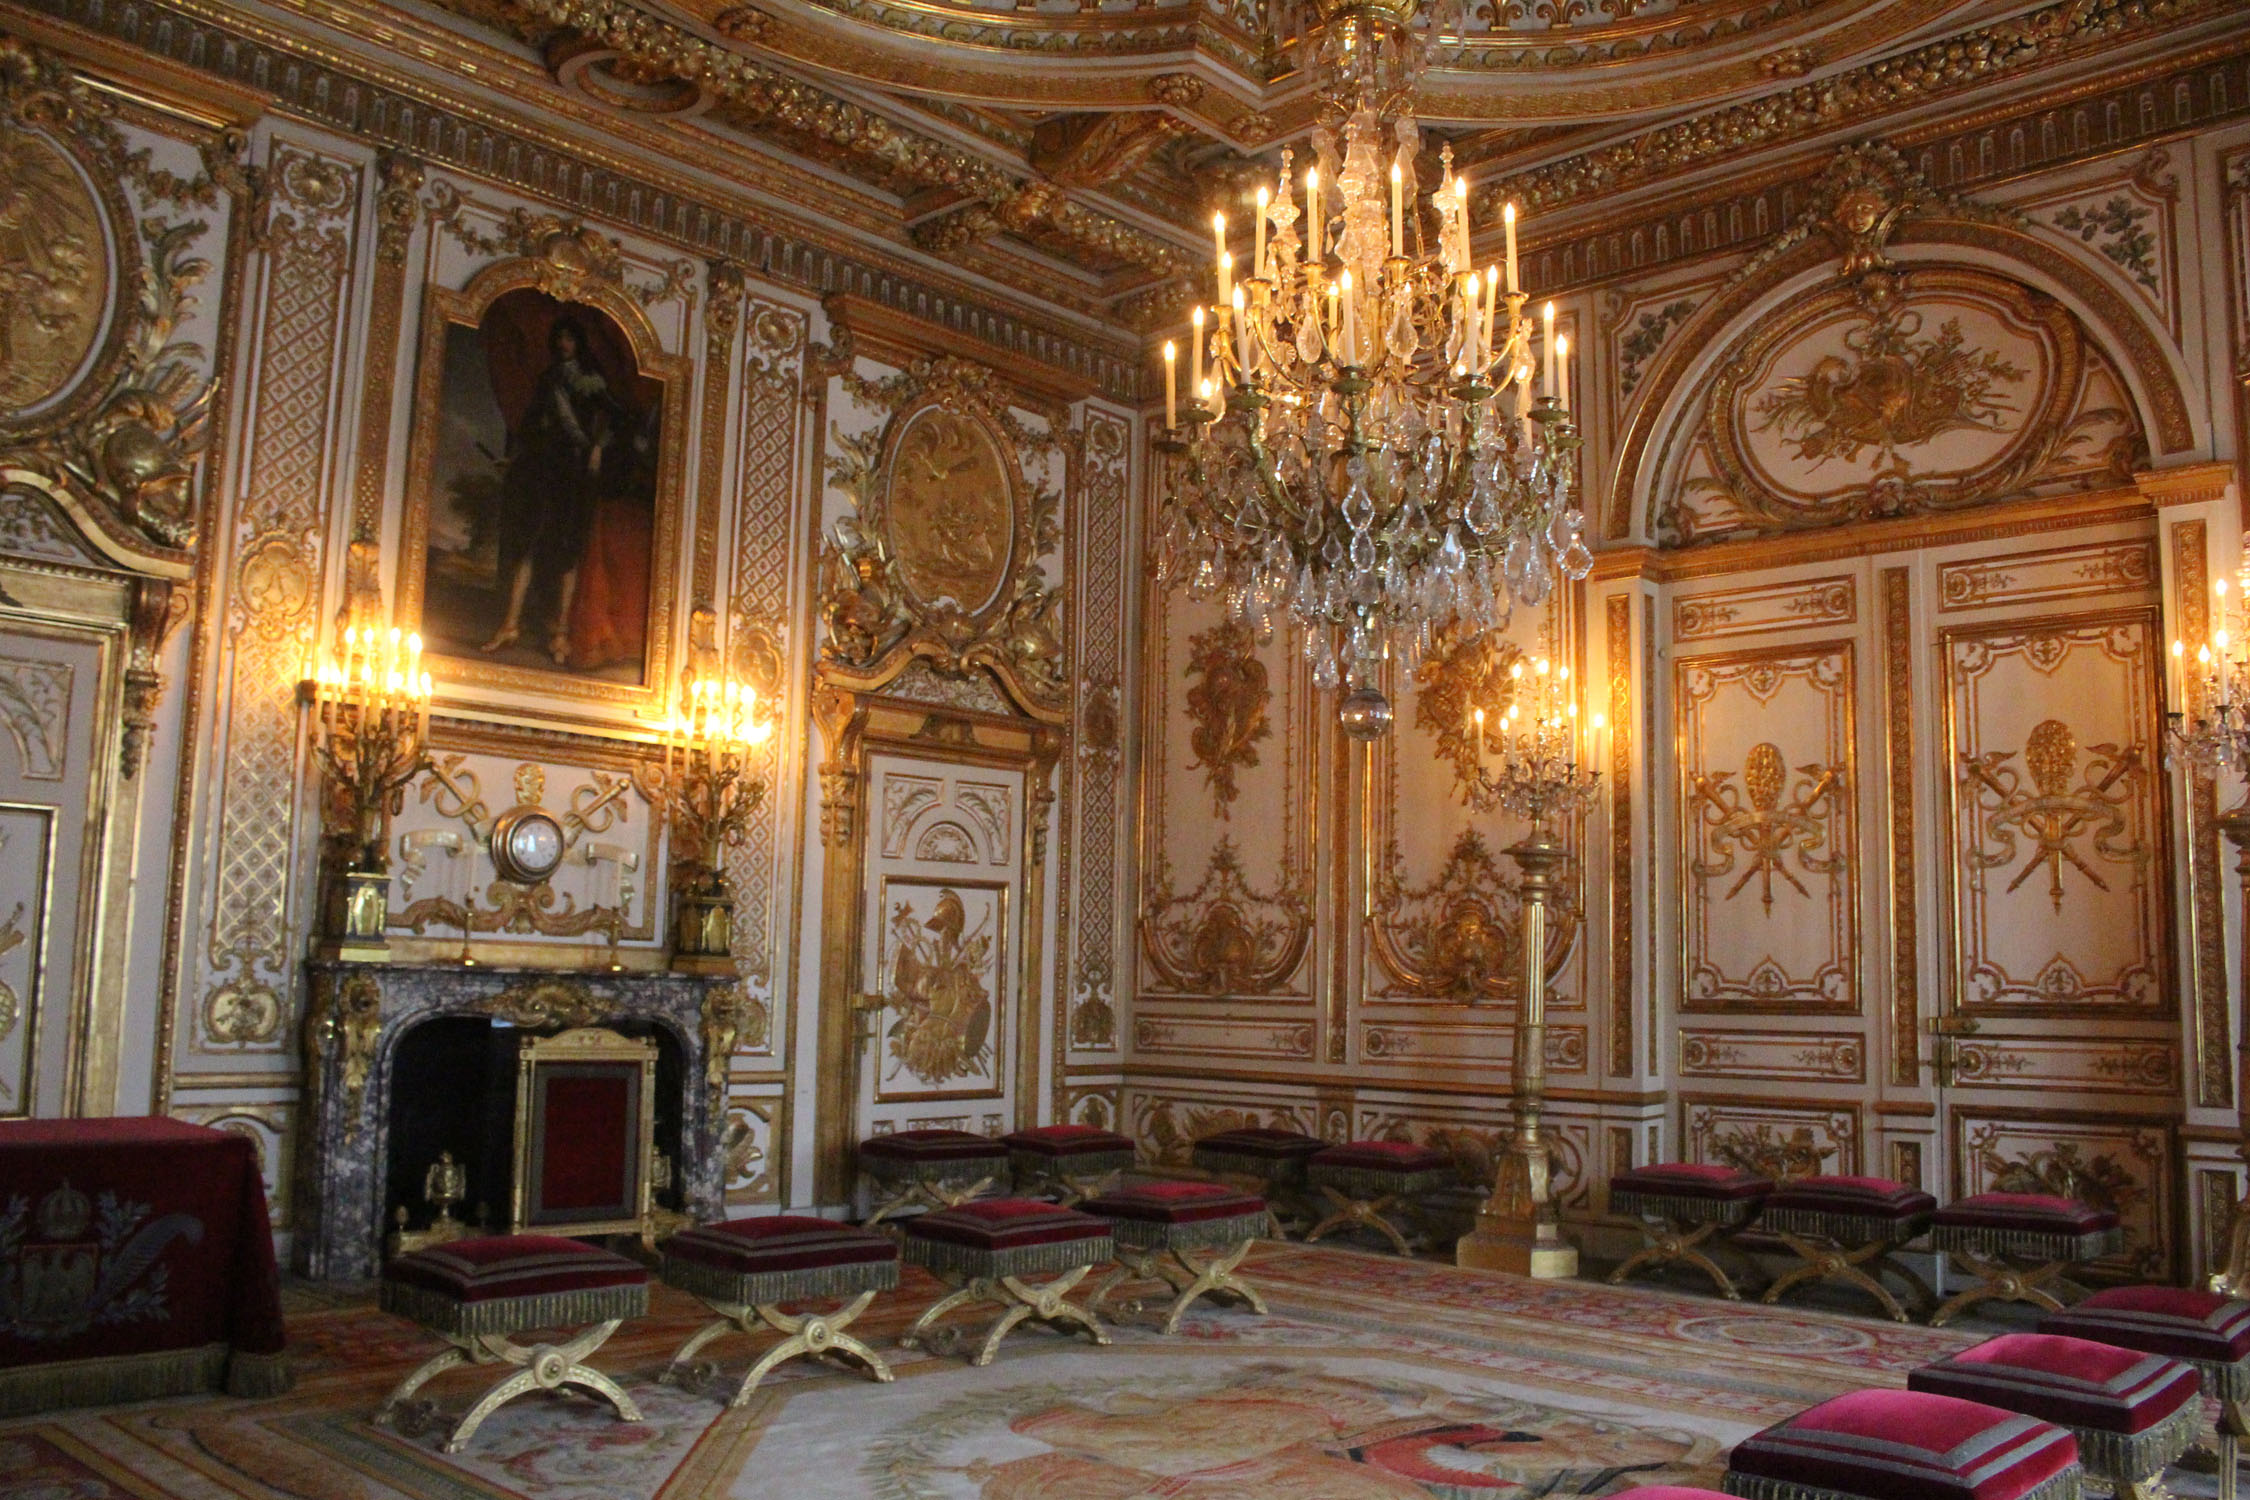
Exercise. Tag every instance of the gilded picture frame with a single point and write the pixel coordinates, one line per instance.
(539, 662)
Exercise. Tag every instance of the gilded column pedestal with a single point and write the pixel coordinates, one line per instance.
(1516, 1228)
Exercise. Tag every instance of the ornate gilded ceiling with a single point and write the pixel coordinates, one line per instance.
(1085, 142)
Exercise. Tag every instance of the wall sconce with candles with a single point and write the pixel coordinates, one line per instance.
(1538, 779)
(370, 703)
(708, 792)
(2210, 733)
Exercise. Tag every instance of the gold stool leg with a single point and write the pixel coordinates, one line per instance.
(543, 1367)
(1044, 1302)
(813, 1335)
(1215, 1278)
(1368, 1212)
(975, 1289)
(1668, 1240)
(1999, 1281)
(457, 1352)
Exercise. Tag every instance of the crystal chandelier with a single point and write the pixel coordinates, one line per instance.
(1364, 454)
(2212, 733)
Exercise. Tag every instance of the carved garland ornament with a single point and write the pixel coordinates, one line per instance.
(102, 408)
(1460, 936)
(1225, 937)
(940, 559)
(1228, 707)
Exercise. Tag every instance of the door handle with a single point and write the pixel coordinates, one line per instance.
(867, 1018)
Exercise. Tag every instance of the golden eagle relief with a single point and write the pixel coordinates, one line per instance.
(1227, 706)
(941, 989)
(1895, 391)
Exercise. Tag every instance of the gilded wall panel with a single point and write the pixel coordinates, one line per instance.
(1777, 1139)
(1229, 809)
(1487, 1048)
(273, 565)
(2128, 223)
(2130, 1167)
(2047, 575)
(1441, 914)
(754, 1143)
(1777, 1056)
(2056, 804)
(271, 1131)
(27, 1015)
(1769, 842)
(1793, 605)
(1476, 1142)
(1168, 1118)
(1097, 821)
(1186, 1035)
(771, 525)
(2114, 1065)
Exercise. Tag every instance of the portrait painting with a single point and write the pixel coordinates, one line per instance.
(544, 475)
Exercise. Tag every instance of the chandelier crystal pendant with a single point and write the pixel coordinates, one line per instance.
(1364, 455)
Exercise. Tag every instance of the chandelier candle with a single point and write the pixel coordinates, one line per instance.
(1354, 478)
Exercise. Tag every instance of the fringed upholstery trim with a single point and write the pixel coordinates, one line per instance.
(890, 1170)
(1148, 1234)
(2068, 1485)
(1078, 1164)
(259, 1375)
(1844, 1229)
(1265, 1168)
(750, 1289)
(112, 1379)
(2139, 1455)
(1374, 1182)
(2228, 1382)
(1732, 1212)
(949, 1259)
(2030, 1244)
(443, 1314)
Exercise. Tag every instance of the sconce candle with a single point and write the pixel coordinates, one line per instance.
(371, 719)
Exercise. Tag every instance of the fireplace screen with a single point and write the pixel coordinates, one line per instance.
(585, 1133)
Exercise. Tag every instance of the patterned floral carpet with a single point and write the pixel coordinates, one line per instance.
(1374, 1379)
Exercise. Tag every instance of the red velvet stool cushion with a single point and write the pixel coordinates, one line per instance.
(783, 1258)
(1383, 1156)
(1682, 1179)
(1175, 1203)
(2076, 1382)
(2040, 1211)
(1006, 1237)
(1905, 1445)
(923, 1147)
(511, 1282)
(512, 1265)
(1849, 1210)
(1005, 1224)
(781, 1242)
(2203, 1327)
(1065, 1141)
(1259, 1141)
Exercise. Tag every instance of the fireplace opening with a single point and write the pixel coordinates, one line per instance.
(453, 1089)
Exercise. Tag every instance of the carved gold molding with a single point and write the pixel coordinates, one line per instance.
(1898, 787)
(2191, 615)
(1618, 646)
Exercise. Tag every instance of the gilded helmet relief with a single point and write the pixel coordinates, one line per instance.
(941, 975)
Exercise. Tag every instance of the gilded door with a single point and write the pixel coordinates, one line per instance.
(942, 936)
(2056, 1050)
(56, 1058)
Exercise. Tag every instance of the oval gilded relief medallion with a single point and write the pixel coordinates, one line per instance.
(950, 514)
(54, 271)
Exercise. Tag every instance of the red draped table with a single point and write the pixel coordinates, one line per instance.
(136, 1261)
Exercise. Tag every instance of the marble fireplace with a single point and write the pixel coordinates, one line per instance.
(360, 1014)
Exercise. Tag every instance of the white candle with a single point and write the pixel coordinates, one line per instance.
(1547, 316)
(1312, 215)
(1171, 384)
(1258, 258)
(1523, 395)
(1351, 321)
(1562, 371)
(1508, 218)
(1398, 223)
(1218, 235)
(1461, 219)
(1241, 336)
(1491, 307)
(1472, 335)
(1195, 351)
(1226, 278)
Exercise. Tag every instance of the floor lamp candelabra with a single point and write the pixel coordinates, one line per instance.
(1537, 778)
(371, 716)
(2210, 735)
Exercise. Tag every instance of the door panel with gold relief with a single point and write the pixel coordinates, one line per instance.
(2056, 1048)
(942, 936)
